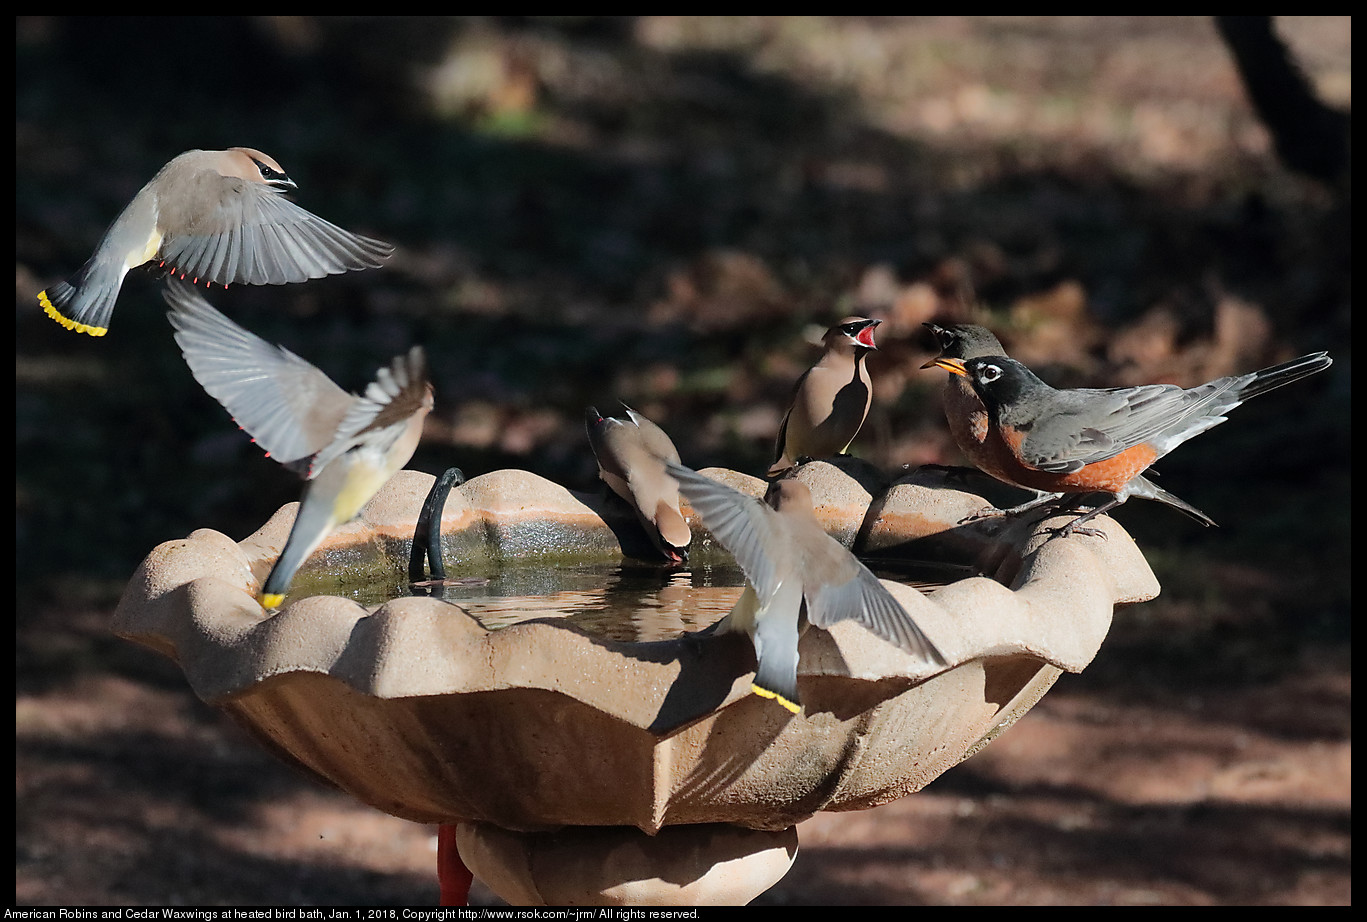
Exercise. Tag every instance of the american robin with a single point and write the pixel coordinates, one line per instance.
(211, 216)
(631, 457)
(796, 575)
(982, 444)
(345, 445)
(965, 413)
(830, 400)
(1100, 440)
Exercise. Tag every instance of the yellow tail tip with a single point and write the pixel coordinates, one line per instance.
(766, 693)
(271, 599)
(67, 321)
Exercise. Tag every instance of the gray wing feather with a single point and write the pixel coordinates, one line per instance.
(653, 437)
(750, 530)
(866, 600)
(288, 406)
(1085, 429)
(744, 526)
(254, 235)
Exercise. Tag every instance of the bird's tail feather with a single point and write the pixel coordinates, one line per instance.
(1260, 382)
(1143, 487)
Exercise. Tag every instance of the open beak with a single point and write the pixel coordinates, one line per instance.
(865, 336)
(954, 366)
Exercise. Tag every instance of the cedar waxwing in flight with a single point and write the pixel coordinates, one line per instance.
(631, 457)
(831, 398)
(346, 446)
(793, 568)
(212, 216)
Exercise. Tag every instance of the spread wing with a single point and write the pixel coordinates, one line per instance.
(861, 597)
(745, 526)
(289, 407)
(240, 232)
(397, 392)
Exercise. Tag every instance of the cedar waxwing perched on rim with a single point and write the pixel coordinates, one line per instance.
(971, 427)
(212, 216)
(347, 446)
(631, 457)
(792, 567)
(830, 400)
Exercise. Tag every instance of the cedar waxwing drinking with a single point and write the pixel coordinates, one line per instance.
(631, 457)
(346, 446)
(793, 568)
(830, 400)
(212, 216)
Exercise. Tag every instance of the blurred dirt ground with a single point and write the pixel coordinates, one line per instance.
(665, 210)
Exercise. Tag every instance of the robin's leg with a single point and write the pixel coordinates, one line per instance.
(1076, 527)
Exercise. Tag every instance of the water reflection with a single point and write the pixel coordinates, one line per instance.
(628, 602)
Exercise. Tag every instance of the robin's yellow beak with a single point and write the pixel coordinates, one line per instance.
(955, 366)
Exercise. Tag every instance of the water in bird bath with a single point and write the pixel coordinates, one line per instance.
(626, 602)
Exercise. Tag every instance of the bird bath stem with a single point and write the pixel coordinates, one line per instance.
(575, 769)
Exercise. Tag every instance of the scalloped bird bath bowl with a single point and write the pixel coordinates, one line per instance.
(578, 769)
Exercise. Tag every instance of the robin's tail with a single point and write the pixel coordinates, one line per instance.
(1144, 487)
(1260, 382)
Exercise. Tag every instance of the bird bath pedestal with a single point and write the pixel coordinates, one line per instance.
(580, 770)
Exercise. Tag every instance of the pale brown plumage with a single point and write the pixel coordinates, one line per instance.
(830, 400)
(210, 216)
(631, 457)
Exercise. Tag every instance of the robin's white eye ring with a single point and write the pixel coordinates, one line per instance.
(989, 373)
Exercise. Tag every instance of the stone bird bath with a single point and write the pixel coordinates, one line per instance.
(572, 769)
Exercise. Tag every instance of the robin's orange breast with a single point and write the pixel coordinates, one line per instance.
(1109, 476)
(973, 433)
